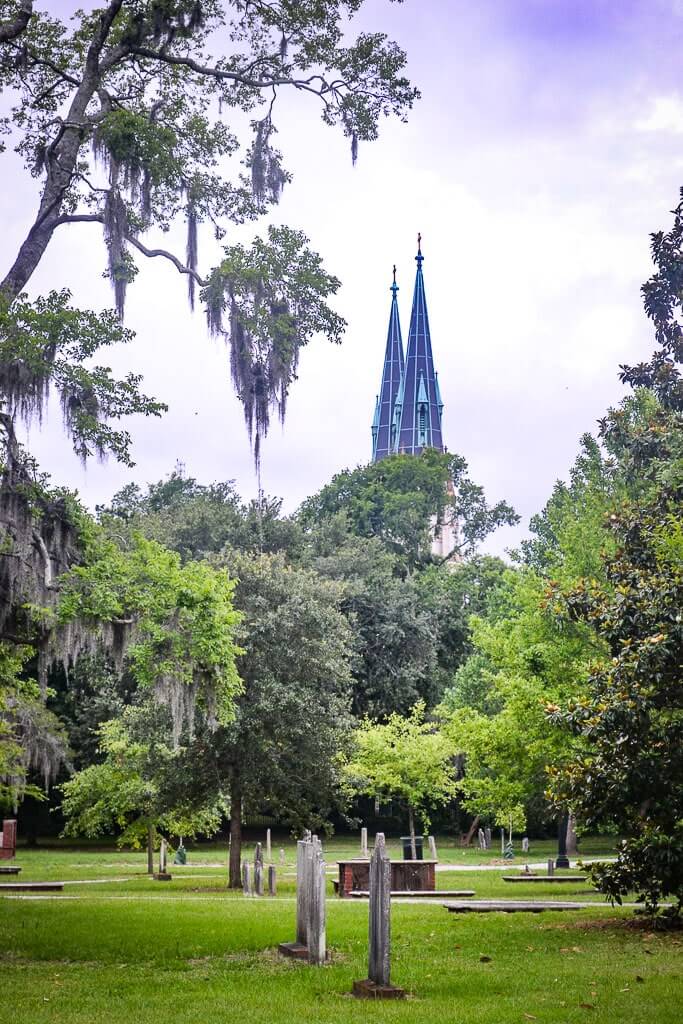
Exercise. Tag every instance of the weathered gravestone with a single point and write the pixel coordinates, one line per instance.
(482, 839)
(282, 856)
(310, 941)
(432, 847)
(551, 866)
(378, 985)
(272, 880)
(525, 844)
(363, 842)
(258, 878)
(246, 879)
(489, 838)
(269, 851)
(162, 874)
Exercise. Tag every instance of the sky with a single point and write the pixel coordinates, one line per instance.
(547, 146)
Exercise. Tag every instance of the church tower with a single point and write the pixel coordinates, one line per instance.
(408, 408)
(385, 424)
(420, 406)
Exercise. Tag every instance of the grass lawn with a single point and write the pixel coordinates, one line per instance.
(139, 951)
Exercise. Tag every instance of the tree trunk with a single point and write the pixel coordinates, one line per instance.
(471, 830)
(572, 841)
(62, 161)
(235, 872)
(150, 848)
(411, 828)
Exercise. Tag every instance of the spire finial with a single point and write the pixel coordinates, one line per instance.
(394, 286)
(419, 256)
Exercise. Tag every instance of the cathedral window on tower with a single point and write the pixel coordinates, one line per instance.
(422, 424)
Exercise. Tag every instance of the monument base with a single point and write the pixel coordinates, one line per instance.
(367, 989)
(162, 876)
(293, 949)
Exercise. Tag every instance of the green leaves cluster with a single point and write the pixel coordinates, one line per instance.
(180, 618)
(49, 344)
(405, 758)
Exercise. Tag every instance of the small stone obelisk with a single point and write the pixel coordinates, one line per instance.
(378, 985)
(363, 842)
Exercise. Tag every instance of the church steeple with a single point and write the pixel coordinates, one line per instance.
(385, 423)
(421, 407)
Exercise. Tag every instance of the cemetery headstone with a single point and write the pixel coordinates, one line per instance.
(269, 851)
(316, 930)
(258, 854)
(525, 844)
(363, 842)
(8, 839)
(310, 941)
(482, 839)
(162, 874)
(272, 880)
(282, 856)
(551, 866)
(258, 878)
(246, 879)
(432, 848)
(378, 985)
(489, 838)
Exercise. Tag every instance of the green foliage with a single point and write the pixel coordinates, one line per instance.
(274, 296)
(180, 619)
(407, 759)
(403, 498)
(137, 785)
(630, 718)
(32, 739)
(197, 520)
(663, 301)
(45, 344)
(279, 751)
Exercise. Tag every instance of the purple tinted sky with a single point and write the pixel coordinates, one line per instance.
(547, 145)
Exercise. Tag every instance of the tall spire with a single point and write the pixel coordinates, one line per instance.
(385, 424)
(420, 417)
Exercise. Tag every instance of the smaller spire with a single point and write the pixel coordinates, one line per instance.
(419, 256)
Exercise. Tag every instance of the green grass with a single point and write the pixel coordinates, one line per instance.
(188, 951)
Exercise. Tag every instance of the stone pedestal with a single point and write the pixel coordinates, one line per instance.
(367, 989)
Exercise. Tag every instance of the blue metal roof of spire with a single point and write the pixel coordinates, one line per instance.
(385, 424)
(420, 418)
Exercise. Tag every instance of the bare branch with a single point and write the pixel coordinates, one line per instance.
(96, 218)
(12, 29)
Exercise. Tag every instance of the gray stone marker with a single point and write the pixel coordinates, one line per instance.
(525, 844)
(551, 866)
(316, 931)
(269, 850)
(432, 847)
(258, 854)
(258, 878)
(282, 856)
(482, 839)
(378, 985)
(246, 879)
(487, 833)
(310, 943)
(363, 842)
(272, 881)
(162, 874)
